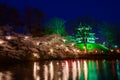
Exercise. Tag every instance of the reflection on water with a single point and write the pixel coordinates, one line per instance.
(63, 70)
(85, 70)
(36, 69)
(5, 75)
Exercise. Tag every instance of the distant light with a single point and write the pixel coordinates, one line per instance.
(74, 50)
(85, 51)
(111, 50)
(26, 37)
(51, 50)
(118, 51)
(72, 44)
(96, 51)
(57, 45)
(66, 49)
(84, 47)
(1, 41)
(8, 37)
(62, 45)
(77, 50)
(102, 51)
(36, 55)
(92, 38)
(57, 63)
(103, 43)
(115, 46)
(37, 43)
(63, 40)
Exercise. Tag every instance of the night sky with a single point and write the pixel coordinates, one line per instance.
(106, 10)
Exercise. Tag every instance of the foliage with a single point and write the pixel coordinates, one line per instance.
(9, 16)
(34, 20)
(56, 26)
(31, 22)
(110, 34)
(69, 39)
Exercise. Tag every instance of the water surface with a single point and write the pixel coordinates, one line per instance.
(63, 70)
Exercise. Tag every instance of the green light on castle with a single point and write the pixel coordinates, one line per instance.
(92, 46)
(85, 39)
(84, 34)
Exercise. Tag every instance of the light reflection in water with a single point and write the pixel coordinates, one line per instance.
(36, 69)
(51, 70)
(45, 72)
(6, 75)
(78, 69)
(85, 70)
(118, 69)
(63, 70)
(74, 70)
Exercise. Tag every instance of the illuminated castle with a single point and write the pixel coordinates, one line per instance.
(84, 34)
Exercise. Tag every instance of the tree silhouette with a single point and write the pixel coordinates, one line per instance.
(110, 34)
(72, 24)
(3, 14)
(56, 26)
(34, 19)
(9, 16)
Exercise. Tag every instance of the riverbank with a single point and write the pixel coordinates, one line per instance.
(100, 56)
(107, 56)
(20, 48)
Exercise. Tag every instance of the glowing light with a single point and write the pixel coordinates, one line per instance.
(74, 50)
(92, 46)
(63, 40)
(26, 37)
(51, 50)
(96, 51)
(79, 71)
(36, 68)
(51, 71)
(6, 75)
(118, 51)
(102, 51)
(84, 47)
(77, 50)
(62, 45)
(8, 37)
(72, 44)
(37, 43)
(65, 71)
(1, 41)
(46, 72)
(115, 46)
(66, 49)
(36, 55)
(74, 70)
(57, 63)
(111, 50)
(85, 70)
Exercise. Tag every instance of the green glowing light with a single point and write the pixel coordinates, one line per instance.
(115, 46)
(92, 46)
(84, 34)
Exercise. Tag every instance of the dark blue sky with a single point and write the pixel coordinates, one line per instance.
(107, 10)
